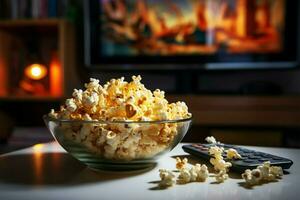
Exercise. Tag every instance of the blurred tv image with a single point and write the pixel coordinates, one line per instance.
(191, 27)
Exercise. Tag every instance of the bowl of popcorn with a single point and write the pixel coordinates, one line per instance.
(118, 126)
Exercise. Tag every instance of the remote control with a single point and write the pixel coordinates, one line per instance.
(250, 158)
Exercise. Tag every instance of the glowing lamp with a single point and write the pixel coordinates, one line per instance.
(36, 71)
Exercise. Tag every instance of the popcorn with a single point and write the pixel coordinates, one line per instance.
(219, 164)
(90, 100)
(71, 105)
(221, 176)
(233, 154)
(195, 173)
(216, 151)
(130, 110)
(167, 178)
(276, 171)
(118, 100)
(263, 173)
(200, 171)
(93, 84)
(77, 94)
(184, 176)
(53, 114)
(211, 140)
(180, 164)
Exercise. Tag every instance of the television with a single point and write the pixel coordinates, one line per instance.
(191, 34)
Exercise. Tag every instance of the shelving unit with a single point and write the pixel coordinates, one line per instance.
(57, 45)
(242, 111)
(249, 120)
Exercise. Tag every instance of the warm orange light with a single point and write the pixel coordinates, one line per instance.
(56, 76)
(3, 76)
(36, 71)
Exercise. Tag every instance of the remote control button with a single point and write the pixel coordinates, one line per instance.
(254, 157)
(258, 154)
(197, 145)
(228, 146)
(246, 151)
(249, 161)
(263, 159)
(266, 156)
(201, 148)
(245, 154)
(276, 158)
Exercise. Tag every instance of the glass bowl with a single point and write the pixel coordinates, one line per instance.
(117, 145)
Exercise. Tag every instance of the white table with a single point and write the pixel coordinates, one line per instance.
(45, 171)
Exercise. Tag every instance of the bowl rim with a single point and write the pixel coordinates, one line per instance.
(48, 118)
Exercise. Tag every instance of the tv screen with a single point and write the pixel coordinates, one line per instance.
(219, 33)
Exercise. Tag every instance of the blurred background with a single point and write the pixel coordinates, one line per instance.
(234, 62)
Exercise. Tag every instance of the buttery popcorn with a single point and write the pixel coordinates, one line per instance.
(233, 154)
(196, 173)
(180, 164)
(211, 140)
(221, 176)
(167, 178)
(263, 173)
(184, 176)
(118, 100)
(219, 164)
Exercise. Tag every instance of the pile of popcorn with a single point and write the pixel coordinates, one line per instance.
(119, 100)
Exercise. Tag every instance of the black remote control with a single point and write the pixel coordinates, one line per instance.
(250, 158)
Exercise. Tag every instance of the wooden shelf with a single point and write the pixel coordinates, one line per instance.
(30, 98)
(30, 22)
(251, 111)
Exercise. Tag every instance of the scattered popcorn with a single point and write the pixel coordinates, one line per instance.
(211, 140)
(221, 176)
(219, 164)
(184, 176)
(201, 171)
(118, 100)
(196, 173)
(233, 154)
(276, 171)
(263, 173)
(216, 151)
(180, 164)
(270, 173)
(167, 178)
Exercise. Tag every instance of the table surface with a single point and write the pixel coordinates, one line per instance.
(46, 171)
